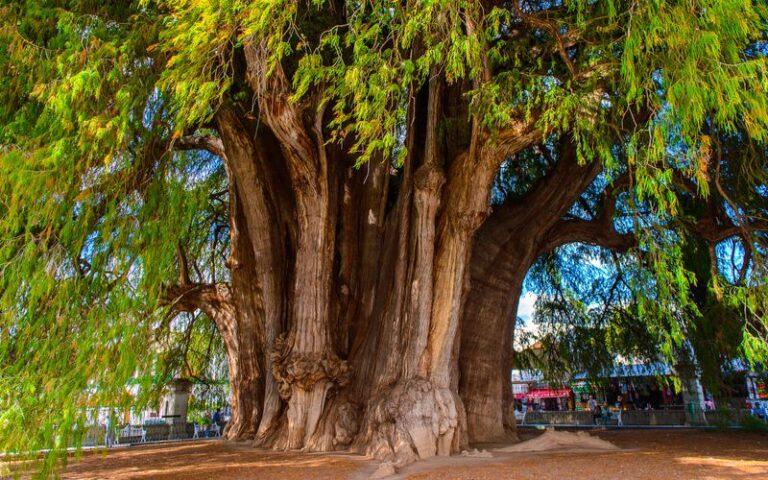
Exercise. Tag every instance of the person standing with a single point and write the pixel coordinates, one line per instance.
(109, 438)
(758, 410)
(216, 420)
(593, 407)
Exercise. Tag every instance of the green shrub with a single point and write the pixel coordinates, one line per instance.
(751, 423)
(723, 418)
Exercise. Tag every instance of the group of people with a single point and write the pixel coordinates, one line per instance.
(210, 426)
(602, 413)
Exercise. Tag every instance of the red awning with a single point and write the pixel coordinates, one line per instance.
(545, 393)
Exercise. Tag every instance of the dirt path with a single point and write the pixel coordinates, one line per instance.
(646, 454)
(214, 460)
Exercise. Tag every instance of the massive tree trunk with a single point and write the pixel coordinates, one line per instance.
(507, 245)
(516, 234)
(260, 223)
(489, 323)
(348, 285)
(407, 412)
(304, 361)
(242, 332)
(348, 288)
(415, 410)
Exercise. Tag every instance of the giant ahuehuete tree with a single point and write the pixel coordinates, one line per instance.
(312, 177)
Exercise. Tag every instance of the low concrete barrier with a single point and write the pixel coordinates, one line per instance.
(653, 417)
(558, 418)
(726, 417)
(94, 435)
(628, 418)
(722, 418)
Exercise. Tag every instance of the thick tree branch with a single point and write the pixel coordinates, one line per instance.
(598, 231)
(715, 229)
(208, 297)
(513, 139)
(201, 142)
(553, 29)
(548, 199)
(183, 266)
(286, 119)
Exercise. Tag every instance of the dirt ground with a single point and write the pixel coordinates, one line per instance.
(645, 454)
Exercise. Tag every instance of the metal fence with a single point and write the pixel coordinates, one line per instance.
(638, 418)
(137, 434)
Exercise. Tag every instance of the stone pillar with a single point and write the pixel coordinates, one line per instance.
(174, 404)
(693, 394)
(751, 387)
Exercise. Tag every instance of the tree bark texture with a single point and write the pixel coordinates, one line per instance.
(507, 245)
(365, 308)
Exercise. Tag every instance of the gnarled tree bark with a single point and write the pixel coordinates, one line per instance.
(349, 286)
(506, 247)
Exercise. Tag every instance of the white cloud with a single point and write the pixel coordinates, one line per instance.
(526, 307)
(525, 310)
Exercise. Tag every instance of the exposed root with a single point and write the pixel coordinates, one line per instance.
(386, 469)
(414, 420)
(334, 430)
(306, 380)
(475, 453)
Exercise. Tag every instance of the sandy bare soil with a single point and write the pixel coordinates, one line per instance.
(644, 454)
